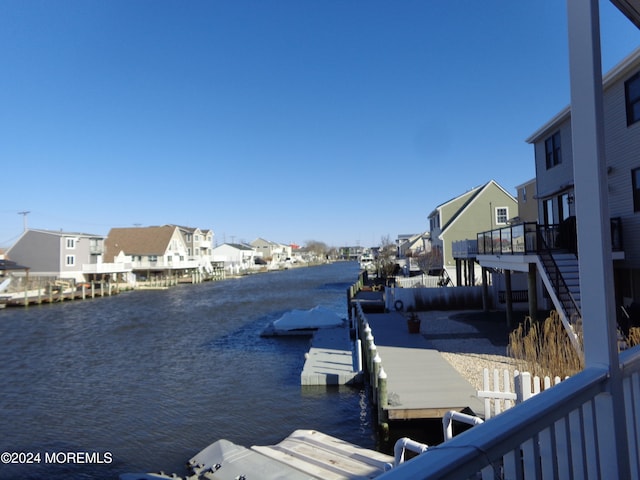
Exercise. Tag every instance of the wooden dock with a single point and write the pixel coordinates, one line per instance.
(48, 295)
(420, 383)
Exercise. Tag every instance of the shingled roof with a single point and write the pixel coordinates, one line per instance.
(138, 241)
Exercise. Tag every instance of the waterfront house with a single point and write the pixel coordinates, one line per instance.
(199, 242)
(238, 257)
(482, 208)
(155, 252)
(272, 251)
(546, 250)
(66, 256)
(410, 248)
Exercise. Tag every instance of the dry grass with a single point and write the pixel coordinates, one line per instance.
(634, 336)
(543, 348)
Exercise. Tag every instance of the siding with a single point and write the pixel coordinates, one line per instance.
(622, 149)
(37, 250)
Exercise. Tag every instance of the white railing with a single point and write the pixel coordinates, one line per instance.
(165, 264)
(428, 281)
(106, 267)
(564, 432)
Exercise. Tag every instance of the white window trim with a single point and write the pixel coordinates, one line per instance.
(506, 217)
(70, 261)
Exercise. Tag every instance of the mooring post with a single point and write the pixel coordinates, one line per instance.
(368, 340)
(377, 365)
(382, 403)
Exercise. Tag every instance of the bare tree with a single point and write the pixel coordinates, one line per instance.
(317, 248)
(431, 260)
(386, 262)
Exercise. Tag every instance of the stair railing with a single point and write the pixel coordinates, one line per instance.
(565, 296)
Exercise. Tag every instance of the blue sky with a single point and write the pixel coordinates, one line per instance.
(338, 121)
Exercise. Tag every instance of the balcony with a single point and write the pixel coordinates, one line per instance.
(531, 238)
(163, 264)
(98, 268)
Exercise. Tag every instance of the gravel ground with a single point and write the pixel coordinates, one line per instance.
(469, 341)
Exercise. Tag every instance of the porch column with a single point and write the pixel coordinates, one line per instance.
(508, 297)
(458, 272)
(532, 291)
(485, 291)
(592, 218)
(470, 269)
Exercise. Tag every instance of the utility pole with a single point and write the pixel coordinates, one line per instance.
(24, 218)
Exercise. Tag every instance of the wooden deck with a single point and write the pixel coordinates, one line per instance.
(420, 382)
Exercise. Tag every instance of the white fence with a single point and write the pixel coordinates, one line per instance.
(429, 281)
(500, 392)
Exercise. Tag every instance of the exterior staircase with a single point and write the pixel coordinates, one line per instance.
(559, 272)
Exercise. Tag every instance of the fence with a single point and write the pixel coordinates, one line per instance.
(501, 393)
(430, 281)
(434, 298)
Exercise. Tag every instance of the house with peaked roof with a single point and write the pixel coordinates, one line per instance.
(275, 252)
(460, 218)
(547, 250)
(153, 251)
(199, 242)
(65, 256)
(238, 257)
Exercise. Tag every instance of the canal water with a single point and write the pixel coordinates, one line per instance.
(144, 380)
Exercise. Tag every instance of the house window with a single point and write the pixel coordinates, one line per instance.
(502, 215)
(552, 150)
(563, 207)
(548, 212)
(70, 260)
(635, 180)
(632, 98)
(523, 195)
(71, 243)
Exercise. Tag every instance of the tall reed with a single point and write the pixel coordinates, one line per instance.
(544, 349)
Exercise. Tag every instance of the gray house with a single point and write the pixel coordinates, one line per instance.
(547, 251)
(64, 255)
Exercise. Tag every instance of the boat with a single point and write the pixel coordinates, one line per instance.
(367, 262)
(303, 322)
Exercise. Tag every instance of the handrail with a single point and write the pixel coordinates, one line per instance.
(486, 444)
(508, 247)
(559, 283)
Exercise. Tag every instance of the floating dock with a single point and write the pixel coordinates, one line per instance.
(303, 455)
(332, 359)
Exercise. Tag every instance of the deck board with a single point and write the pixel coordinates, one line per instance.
(420, 382)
